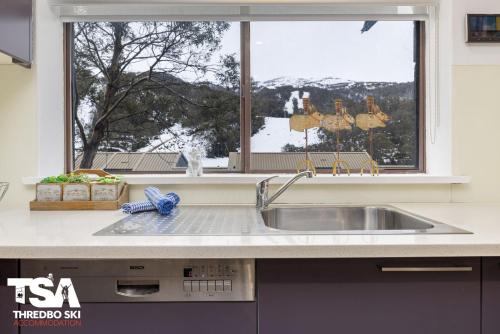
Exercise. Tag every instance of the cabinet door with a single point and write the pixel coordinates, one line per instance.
(8, 269)
(15, 28)
(161, 318)
(376, 296)
(491, 295)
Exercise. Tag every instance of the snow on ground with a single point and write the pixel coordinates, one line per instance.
(216, 162)
(271, 138)
(295, 95)
(276, 133)
(177, 140)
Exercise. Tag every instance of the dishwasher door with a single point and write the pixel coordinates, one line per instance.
(151, 280)
(154, 296)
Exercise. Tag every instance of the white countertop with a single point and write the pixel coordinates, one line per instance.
(25, 234)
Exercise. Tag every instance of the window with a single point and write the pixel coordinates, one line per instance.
(329, 61)
(144, 94)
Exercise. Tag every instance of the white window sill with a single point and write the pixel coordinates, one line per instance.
(147, 179)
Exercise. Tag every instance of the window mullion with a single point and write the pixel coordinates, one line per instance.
(69, 134)
(245, 106)
(421, 97)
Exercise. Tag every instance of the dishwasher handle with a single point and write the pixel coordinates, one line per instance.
(137, 288)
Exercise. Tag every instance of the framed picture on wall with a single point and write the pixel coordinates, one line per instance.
(483, 28)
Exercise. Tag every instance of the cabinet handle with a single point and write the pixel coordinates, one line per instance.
(425, 269)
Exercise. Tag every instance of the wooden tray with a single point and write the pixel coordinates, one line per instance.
(81, 205)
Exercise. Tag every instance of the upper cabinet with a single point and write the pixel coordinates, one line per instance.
(16, 30)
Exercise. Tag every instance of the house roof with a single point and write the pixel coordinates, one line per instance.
(137, 162)
(174, 161)
(289, 160)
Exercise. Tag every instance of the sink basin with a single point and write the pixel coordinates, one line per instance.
(351, 220)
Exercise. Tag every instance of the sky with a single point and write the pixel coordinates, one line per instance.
(319, 49)
(328, 49)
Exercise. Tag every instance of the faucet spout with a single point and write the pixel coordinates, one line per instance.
(263, 188)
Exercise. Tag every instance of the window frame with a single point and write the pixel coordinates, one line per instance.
(245, 107)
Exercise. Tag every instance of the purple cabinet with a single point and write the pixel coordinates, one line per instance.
(8, 269)
(15, 29)
(162, 318)
(491, 296)
(376, 296)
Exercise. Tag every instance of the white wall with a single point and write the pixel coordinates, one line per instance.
(18, 130)
(476, 142)
(473, 54)
(476, 110)
(50, 76)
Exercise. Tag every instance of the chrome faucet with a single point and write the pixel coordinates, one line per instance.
(263, 199)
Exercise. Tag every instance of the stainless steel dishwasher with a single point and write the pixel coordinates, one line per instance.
(156, 296)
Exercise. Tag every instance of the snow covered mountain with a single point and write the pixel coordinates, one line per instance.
(324, 83)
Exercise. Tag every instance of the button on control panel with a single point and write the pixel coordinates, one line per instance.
(203, 286)
(195, 286)
(210, 286)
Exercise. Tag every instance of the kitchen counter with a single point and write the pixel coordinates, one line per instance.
(25, 234)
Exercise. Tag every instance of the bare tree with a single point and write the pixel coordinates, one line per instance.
(115, 60)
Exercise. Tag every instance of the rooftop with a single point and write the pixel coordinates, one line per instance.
(137, 162)
(289, 160)
(174, 161)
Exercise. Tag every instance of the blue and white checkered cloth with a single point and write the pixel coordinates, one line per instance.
(135, 207)
(143, 206)
(163, 203)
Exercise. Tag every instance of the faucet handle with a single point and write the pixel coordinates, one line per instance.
(262, 185)
(266, 180)
(262, 191)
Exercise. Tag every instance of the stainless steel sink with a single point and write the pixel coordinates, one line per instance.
(351, 220)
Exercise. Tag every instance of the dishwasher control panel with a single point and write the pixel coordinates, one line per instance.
(209, 279)
(151, 280)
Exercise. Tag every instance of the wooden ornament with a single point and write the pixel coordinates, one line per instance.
(311, 119)
(375, 118)
(338, 122)
(303, 122)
